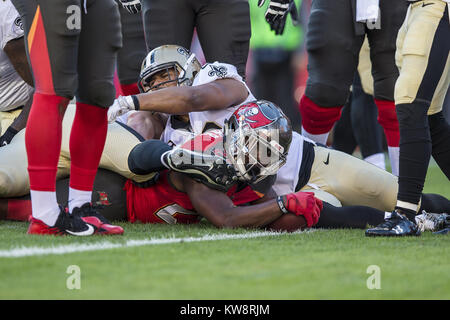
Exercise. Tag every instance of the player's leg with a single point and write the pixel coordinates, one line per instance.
(382, 43)
(440, 137)
(343, 133)
(424, 67)
(101, 34)
(423, 57)
(108, 192)
(14, 180)
(167, 22)
(223, 29)
(52, 33)
(353, 181)
(330, 38)
(349, 217)
(366, 129)
(134, 50)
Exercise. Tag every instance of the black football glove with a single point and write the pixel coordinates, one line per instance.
(209, 169)
(132, 6)
(7, 136)
(277, 12)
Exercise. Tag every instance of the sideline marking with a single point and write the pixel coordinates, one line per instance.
(105, 245)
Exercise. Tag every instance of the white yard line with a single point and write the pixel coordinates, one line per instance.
(23, 251)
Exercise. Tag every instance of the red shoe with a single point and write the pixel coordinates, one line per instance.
(91, 216)
(65, 224)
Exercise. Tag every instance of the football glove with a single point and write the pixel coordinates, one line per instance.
(209, 169)
(7, 136)
(277, 12)
(132, 6)
(302, 204)
(122, 105)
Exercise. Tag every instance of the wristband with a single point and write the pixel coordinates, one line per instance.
(280, 203)
(136, 102)
(8, 135)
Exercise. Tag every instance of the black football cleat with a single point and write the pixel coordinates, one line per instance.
(65, 224)
(89, 214)
(395, 226)
(210, 169)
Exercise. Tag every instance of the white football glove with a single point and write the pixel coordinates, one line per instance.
(121, 106)
(132, 6)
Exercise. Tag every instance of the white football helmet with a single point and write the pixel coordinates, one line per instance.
(169, 57)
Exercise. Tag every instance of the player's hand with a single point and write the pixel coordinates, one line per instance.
(277, 13)
(132, 6)
(6, 138)
(121, 106)
(209, 169)
(304, 204)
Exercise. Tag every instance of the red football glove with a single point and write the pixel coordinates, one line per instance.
(304, 204)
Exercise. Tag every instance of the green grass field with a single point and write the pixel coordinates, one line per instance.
(322, 264)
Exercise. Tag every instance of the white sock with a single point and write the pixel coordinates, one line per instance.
(394, 156)
(407, 205)
(44, 206)
(377, 159)
(319, 138)
(78, 197)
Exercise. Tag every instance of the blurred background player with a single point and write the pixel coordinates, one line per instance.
(358, 125)
(223, 26)
(423, 59)
(276, 57)
(16, 81)
(336, 32)
(72, 49)
(132, 53)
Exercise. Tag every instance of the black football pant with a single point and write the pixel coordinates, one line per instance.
(223, 27)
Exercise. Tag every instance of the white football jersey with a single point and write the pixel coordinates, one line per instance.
(287, 176)
(14, 92)
(200, 122)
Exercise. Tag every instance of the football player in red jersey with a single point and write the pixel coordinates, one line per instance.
(72, 47)
(187, 195)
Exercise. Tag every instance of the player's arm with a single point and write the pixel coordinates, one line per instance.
(219, 94)
(18, 124)
(15, 50)
(219, 209)
(215, 95)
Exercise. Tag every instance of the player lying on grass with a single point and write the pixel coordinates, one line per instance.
(175, 197)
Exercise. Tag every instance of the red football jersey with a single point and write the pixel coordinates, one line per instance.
(161, 203)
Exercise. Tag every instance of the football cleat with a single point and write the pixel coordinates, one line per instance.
(432, 221)
(90, 215)
(65, 224)
(395, 226)
(209, 169)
